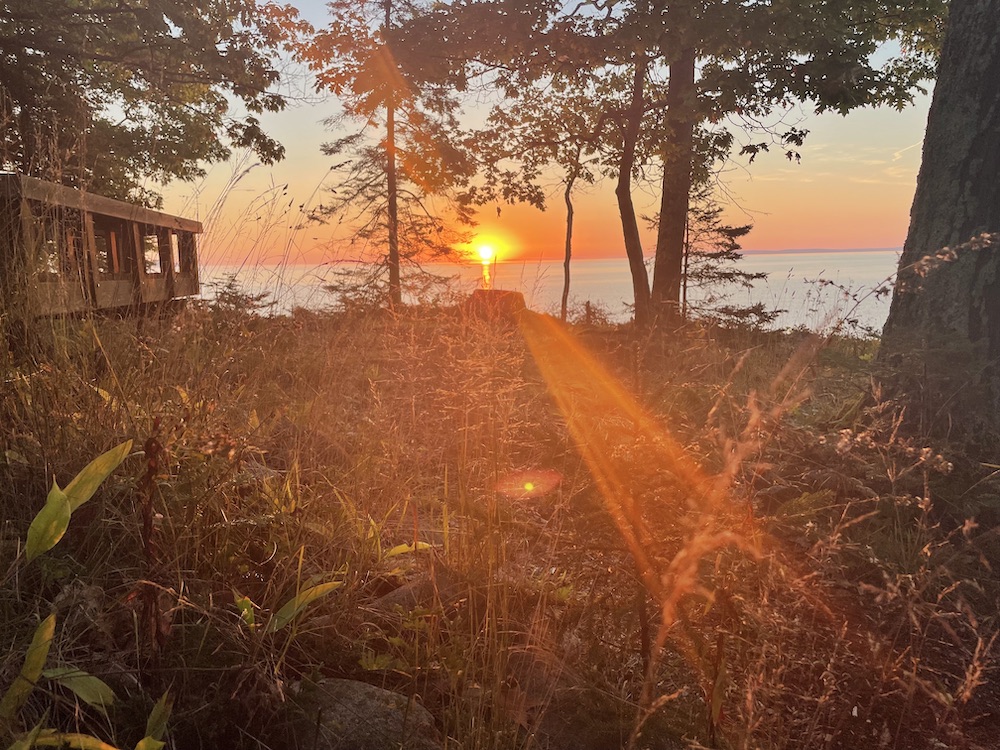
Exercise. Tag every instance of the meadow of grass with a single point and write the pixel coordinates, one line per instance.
(564, 537)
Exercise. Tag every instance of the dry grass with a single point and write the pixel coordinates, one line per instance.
(723, 543)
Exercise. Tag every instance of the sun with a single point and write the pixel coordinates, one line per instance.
(486, 248)
(486, 253)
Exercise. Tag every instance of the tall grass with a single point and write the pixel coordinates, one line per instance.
(551, 539)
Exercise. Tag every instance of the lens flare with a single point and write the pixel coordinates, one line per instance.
(528, 483)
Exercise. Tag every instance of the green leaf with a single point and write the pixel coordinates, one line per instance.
(372, 662)
(28, 741)
(405, 549)
(85, 484)
(34, 661)
(13, 457)
(148, 743)
(298, 603)
(245, 606)
(91, 690)
(52, 738)
(49, 526)
(156, 724)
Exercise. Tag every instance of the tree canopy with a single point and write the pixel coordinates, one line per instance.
(115, 94)
(687, 75)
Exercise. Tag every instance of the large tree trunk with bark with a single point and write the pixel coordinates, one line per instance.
(943, 333)
(675, 198)
(623, 191)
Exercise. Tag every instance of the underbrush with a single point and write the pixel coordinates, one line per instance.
(708, 539)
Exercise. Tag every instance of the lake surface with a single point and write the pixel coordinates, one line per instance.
(816, 289)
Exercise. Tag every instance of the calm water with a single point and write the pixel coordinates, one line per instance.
(815, 289)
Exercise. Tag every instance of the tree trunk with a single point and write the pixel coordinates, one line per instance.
(395, 285)
(568, 197)
(623, 191)
(943, 331)
(686, 276)
(675, 197)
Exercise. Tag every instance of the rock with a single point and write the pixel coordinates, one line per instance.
(426, 591)
(496, 305)
(351, 715)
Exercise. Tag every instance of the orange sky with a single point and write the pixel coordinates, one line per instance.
(852, 189)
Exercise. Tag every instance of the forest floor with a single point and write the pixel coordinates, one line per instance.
(548, 535)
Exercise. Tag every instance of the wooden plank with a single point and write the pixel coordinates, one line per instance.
(186, 285)
(127, 283)
(155, 289)
(90, 251)
(115, 293)
(60, 195)
(59, 296)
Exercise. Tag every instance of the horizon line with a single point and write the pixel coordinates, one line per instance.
(541, 258)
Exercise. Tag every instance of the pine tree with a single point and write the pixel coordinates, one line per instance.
(404, 152)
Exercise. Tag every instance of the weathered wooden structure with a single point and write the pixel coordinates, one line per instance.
(68, 251)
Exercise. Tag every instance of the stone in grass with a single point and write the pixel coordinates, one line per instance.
(423, 592)
(498, 305)
(353, 715)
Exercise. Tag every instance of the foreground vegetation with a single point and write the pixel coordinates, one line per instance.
(550, 537)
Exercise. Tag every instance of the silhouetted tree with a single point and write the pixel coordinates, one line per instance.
(710, 266)
(527, 135)
(680, 69)
(110, 95)
(387, 180)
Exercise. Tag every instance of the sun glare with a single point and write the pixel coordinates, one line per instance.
(486, 253)
(528, 483)
(486, 248)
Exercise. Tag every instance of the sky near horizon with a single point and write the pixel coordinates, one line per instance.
(852, 189)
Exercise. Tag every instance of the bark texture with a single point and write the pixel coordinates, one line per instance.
(623, 191)
(568, 254)
(675, 197)
(943, 331)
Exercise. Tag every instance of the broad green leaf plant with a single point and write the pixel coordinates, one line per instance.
(52, 521)
(46, 530)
